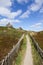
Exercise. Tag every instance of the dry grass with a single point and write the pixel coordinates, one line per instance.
(8, 38)
(36, 57)
(39, 38)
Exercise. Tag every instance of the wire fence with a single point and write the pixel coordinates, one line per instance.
(9, 58)
(40, 51)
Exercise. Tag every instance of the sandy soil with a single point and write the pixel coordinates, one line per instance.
(28, 60)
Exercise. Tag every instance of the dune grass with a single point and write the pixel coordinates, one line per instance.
(36, 57)
(21, 53)
(39, 38)
(8, 38)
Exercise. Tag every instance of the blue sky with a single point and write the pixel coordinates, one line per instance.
(27, 14)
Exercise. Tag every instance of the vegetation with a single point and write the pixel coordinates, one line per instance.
(21, 53)
(8, 38)
(36, 57)
(39, 38)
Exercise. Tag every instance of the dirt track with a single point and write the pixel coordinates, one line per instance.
(28, 60)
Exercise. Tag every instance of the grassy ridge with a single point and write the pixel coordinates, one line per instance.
(39, 38)
(8, 38)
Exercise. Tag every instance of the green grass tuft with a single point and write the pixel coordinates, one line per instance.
(21, 53)
(36, 57)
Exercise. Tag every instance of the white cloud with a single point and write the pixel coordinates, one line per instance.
(41, 10)
(3, 22)
(5, 3)
(15, 14)
(36, 5)
(6, 21)
(37, 25)
(7, 13)
(39, 1)
(21, 1)
(4, 11)
(25, 14)
(17, 21)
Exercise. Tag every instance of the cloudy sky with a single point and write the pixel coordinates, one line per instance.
(27, 14)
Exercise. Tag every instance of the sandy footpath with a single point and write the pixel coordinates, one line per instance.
(28, 60)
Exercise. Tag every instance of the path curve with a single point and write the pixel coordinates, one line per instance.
(28, 60)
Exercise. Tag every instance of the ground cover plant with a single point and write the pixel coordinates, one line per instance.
(8, 38)
(37, 60)
(39, 38)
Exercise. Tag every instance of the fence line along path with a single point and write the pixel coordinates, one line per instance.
(9, 58)
(40, 51)
(28, 60)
